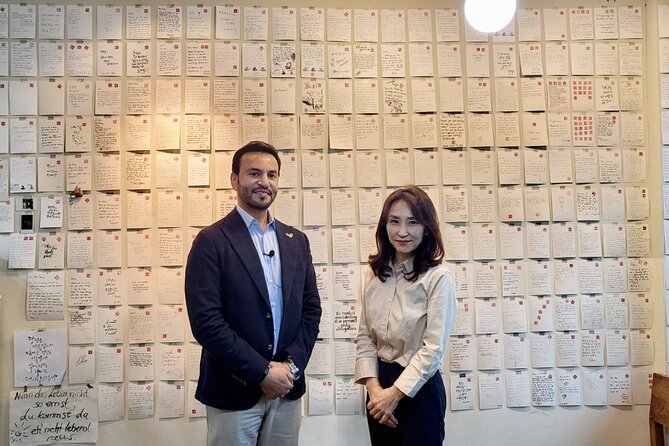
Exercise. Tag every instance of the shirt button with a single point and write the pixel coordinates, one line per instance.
(268, 315)
(269, 346)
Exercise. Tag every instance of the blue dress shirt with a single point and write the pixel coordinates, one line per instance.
(267, 246)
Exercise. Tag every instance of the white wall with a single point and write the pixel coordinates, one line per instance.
(521, 427)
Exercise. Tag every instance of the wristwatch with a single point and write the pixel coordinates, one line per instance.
(294, 369)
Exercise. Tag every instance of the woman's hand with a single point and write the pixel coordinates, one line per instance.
(382, 402)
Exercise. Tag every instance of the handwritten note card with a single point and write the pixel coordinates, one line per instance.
(53, 415)
(39, 357)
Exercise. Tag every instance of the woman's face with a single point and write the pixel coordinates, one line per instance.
(404, 231)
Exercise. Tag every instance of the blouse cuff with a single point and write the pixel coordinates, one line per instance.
(366, 368)
(409, 382)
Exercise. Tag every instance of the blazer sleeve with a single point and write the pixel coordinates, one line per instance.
(204, 302)
(300, 349)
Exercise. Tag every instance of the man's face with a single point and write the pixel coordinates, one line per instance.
(258, 181)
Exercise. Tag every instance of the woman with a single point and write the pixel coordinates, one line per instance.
(407, 314)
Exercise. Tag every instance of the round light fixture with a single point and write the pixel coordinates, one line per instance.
(489, 16)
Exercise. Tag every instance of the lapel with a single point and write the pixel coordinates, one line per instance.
(286, 236)
(238, 234)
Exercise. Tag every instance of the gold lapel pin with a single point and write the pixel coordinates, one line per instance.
(289, 234)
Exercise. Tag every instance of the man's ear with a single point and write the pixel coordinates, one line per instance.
(234, 180)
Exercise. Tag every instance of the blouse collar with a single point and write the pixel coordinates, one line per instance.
(402, 268)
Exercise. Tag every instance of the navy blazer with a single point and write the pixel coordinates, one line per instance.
(230, 314)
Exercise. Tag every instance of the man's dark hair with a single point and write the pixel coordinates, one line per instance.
(254, 146)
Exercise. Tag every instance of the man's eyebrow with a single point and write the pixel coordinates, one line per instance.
(257, 169)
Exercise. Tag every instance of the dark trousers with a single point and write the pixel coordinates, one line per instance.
(420, 420)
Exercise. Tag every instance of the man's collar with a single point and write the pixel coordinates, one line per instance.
(249, 219)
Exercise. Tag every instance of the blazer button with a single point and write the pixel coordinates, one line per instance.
(269, 346)
(268, 315)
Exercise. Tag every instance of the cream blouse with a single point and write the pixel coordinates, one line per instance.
(407, 323)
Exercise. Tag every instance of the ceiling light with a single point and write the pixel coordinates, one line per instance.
(489, 15)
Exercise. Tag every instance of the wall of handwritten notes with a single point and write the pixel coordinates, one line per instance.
(539, 145)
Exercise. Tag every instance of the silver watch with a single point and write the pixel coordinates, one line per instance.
(294, 369)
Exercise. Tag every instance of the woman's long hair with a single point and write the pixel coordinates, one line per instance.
(429, 253)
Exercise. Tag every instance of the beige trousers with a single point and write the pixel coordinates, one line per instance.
(268, 423)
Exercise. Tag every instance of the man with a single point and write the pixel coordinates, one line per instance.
(254, 307)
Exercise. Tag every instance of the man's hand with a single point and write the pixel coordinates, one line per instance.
(382, 404)
(278, 381)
